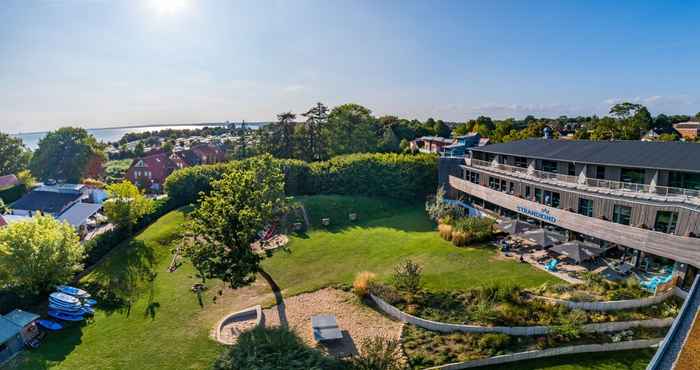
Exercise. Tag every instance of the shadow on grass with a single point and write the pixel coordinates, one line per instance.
(54, 348)
(125, 277)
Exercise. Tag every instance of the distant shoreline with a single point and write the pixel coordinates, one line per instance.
(210, 124)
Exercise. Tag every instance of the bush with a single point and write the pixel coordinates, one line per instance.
(407, 276)
(461, 238)
(472, 230)
(378, 354)
(362, 282)
(492, 343)
(385, 292)
(445, 231)
(186, 185)
(274, 349)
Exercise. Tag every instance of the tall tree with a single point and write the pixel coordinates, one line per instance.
(441, 129)
(126, 205)
(624, 110)
(350, 129)
(38, 254)
(64, 155)
(284, 135)
(14, 156)
(316, 120)
(227, 221)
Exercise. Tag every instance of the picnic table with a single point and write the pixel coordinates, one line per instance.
(325, 328)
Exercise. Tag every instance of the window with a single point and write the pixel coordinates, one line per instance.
(572, 169)
(538, 195)
(474, 177)
(503, 187)
(520, 162)
(527, 192)
(585, 207)
(511, 188)
(493, 183)
(666, 222)
(489, 157)
(632, 175)
(684, 180)
(600, 172)
(502, 159)
(622, 214)
(549, 166)
(551, 198)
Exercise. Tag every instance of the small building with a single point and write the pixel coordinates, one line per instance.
(459, 148)
(11, 342)
(209, 153)
(49, 199)
(689, 130)
(26, 322)
(431, 144)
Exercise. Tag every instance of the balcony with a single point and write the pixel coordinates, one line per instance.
(618, 188)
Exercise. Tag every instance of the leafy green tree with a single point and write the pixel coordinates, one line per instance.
(441, 129)
(390, 141)
(126, 205)
(668, 137)
(662, 122)
(350, 129)
(38, 254)
(139, 149)
(315, 148)
(227, 221)
(14, 156)
(284, 135)
(624, 110)
(460, 130)
(65, 154)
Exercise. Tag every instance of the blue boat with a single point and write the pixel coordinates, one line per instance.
(63, 298)
(49, 325)
(73, 291)
(65, 316)
(90, 302)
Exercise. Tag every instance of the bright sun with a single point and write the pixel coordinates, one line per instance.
(169, 7)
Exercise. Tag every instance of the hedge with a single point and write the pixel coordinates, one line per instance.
(10, 195)
(398, 176)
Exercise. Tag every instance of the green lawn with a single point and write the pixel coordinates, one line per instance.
(324, 257)
(623, 360)
(163, 328)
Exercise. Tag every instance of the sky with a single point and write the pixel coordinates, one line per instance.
(94, 63)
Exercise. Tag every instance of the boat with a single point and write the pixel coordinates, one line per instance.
(76, 310)
(90, 302)
(65, 316)
(64, 298)
(49, 325)
(73, 291)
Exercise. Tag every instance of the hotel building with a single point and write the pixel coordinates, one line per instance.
(641, 197)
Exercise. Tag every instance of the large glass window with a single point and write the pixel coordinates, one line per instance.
(600, 172)
(632, 175)
(538, 195)
(585, 207)
(572, 169)
(549, 166)
(474, 177)
(622, 214)
(666, 221)
(527, 192)
(684, 180)
(520, 162)
(493, 183)
(551, 198)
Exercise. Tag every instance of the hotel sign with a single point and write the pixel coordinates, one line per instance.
(542, 214)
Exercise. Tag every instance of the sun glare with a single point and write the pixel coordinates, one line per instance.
(169, 7)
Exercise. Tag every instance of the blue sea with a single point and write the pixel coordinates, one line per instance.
(31, 140)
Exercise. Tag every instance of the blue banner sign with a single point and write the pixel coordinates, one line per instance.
(542, 215)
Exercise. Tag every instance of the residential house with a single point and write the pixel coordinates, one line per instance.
(209, 153)
(49, 199)
(16, 329)
(688, 130)
(431, 144)
(150, 172)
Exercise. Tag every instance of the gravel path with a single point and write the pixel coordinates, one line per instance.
(357, 321)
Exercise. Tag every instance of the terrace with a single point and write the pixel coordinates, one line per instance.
(618, 188)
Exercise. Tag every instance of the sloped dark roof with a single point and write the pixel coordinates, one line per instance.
(46, 201)
(679, 156)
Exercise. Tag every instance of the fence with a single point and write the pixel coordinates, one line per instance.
(570, 350)
(511, 330)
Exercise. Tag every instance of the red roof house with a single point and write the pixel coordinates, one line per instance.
(150, 172)
(208, 153)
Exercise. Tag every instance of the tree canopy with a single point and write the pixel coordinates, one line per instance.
(14, 156)
(126, 204)
(38, 254)
(65, 154)
(248, 198)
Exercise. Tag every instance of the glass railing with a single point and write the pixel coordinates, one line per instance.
(595, 183)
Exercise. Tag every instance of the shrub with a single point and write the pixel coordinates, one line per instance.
(362, 282)
(274, 349)
(445, 231)
(385, 292)
(378, 354)
(472, 230)
(407, 276)
(186, 185)
(492, 343)
(440, 211)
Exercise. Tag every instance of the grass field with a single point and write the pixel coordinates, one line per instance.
(324, 257)
(160, 324)
(623, 360)
(162, 329)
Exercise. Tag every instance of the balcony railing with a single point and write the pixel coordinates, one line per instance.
(627, 187)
